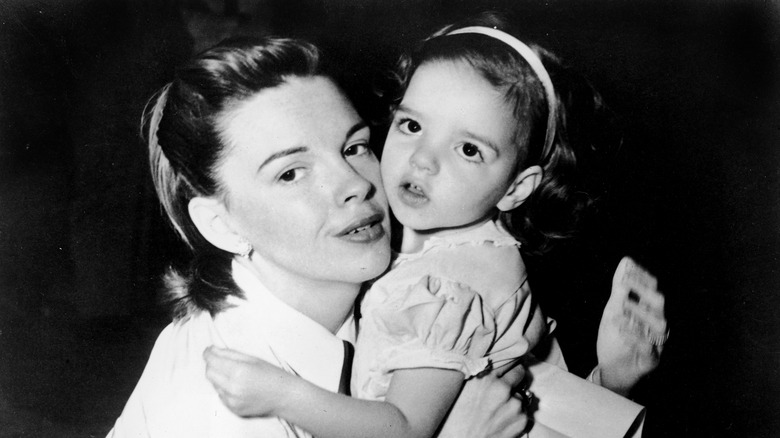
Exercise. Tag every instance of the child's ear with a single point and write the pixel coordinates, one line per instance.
(521, 188)
(211, 219)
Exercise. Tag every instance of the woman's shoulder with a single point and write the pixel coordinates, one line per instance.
(175, 372)
(181, 343)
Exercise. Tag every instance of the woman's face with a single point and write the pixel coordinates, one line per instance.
(303, 186)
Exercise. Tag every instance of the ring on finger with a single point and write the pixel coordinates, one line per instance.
(526, 399)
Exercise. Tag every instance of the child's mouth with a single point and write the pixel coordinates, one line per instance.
(415, 189)
(412, 194)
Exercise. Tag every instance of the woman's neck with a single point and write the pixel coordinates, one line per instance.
(414, 240)
(327, 303)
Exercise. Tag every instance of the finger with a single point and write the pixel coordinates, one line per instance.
(648, 356)
(624, 278)
(651, 357)
(218, 379)
(512, 374)
(648, 317)
(645, 294)
(502, 422)
(501, 390)
(224, 366)
(629, 326)
(650, 321)
(511, 419)
(514, 427)
(652, 300)
(646, 349)
(647, 340)
(229, 401)
(520, 424)
(630, 275)
(654, 308)
(640, 275)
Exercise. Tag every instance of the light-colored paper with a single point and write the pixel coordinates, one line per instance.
(569, 406)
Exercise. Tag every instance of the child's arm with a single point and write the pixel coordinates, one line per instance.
(416, 403)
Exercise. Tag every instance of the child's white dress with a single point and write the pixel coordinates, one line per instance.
(461, 303)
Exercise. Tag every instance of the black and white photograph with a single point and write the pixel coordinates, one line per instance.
(399, 218)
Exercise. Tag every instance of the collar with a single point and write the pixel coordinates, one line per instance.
(297, 343)
(492, 232)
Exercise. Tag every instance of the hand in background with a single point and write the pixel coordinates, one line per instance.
(633, 329)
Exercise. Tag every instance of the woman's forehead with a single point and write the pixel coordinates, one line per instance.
(300, 112)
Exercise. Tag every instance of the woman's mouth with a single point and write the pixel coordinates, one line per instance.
(365, 230)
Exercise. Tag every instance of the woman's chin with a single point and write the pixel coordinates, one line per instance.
(374, 265)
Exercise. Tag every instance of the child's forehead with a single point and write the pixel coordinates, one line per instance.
(452, 96)
(507, 97)
(455, 83)
(455, 75)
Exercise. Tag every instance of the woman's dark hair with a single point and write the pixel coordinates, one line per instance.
(552, 212)
(186, 147)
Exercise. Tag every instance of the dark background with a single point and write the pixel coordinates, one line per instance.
(692, 193)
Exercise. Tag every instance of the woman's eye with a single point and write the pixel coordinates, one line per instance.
(289, 176)
(409, 126)
(471, 152)
(356, 149)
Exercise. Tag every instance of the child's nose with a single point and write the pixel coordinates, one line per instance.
(424, 159)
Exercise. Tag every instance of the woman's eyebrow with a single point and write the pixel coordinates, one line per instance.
(355, 128)
(281, 154)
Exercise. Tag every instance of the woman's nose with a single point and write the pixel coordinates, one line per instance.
(424, 159)
(352, 187)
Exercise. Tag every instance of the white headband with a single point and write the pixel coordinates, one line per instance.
(536, 65)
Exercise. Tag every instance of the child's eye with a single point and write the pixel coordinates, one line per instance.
(471, 152)
(409, 126)
(356, 149)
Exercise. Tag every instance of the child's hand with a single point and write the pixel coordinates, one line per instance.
(633, 328)
(248, 386)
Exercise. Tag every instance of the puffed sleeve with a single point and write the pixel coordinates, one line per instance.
(434, 323)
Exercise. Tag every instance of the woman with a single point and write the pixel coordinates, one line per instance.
(264, 170)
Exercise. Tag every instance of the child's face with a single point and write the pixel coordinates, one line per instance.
(450, 154)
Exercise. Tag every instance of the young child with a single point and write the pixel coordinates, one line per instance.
(476, 156)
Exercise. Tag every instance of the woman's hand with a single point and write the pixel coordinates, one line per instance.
(633, 329)
(248, 386)
(486, 407)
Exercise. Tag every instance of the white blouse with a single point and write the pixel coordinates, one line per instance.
(173, 398)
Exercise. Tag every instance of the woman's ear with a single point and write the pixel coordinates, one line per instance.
(209, 216)
(521, 188)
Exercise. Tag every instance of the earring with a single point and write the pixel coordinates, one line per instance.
(244, 248)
